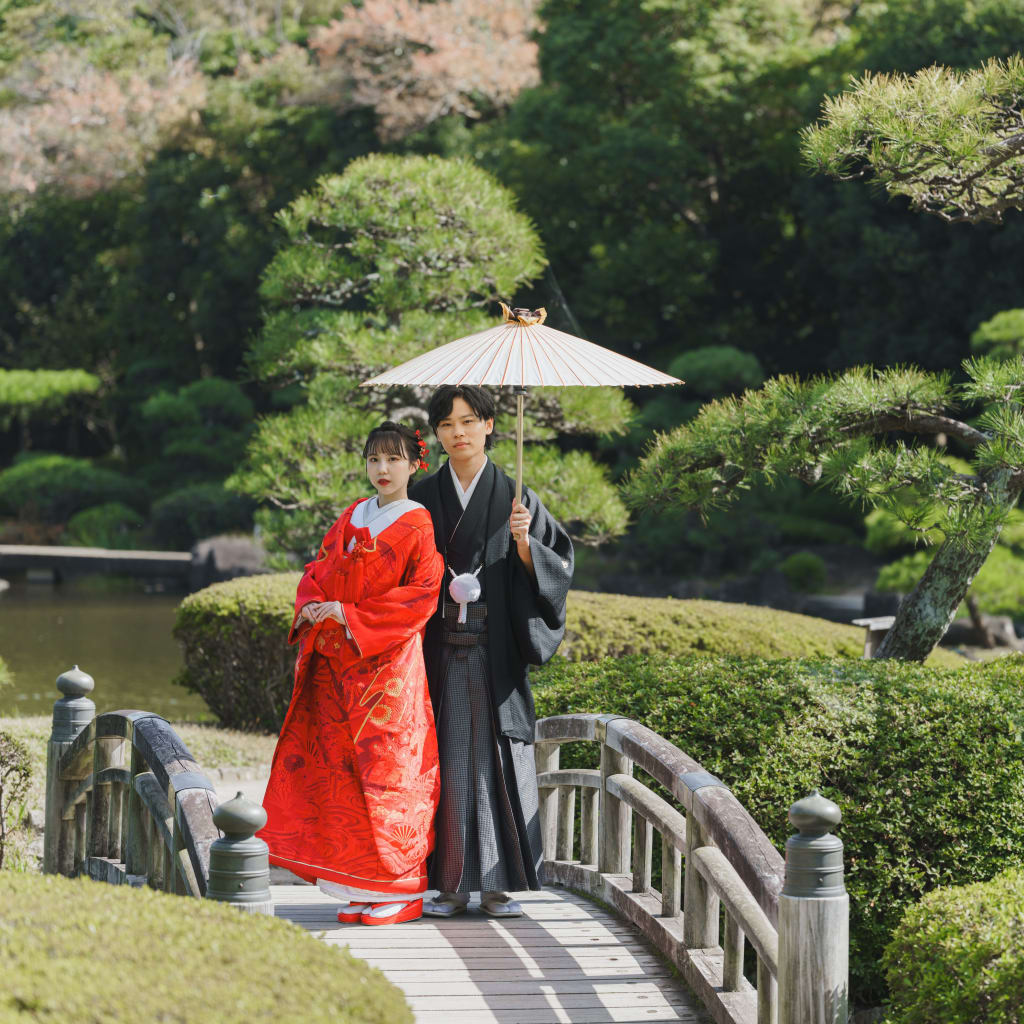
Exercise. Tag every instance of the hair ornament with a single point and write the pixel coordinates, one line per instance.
(423, 452)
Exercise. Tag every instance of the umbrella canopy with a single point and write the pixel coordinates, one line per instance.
(523, 352)
(520, 353)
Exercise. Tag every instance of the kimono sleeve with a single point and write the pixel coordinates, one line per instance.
(385, 620)
(537, 606)
(310, 588)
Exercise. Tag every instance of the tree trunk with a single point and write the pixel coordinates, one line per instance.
(925, 615)
(986, 637)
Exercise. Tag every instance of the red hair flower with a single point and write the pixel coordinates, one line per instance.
(423, 452)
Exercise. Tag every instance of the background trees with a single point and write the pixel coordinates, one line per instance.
(655, 146)
(396, 256)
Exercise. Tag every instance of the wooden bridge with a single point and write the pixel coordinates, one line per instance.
(126, 803)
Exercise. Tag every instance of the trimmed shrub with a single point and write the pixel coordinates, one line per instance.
(74, 950)
(926, 764)
(956, 956)
(15, 777)
(237, 659)
(198, 511)
(613, 625)
(112, 525)
(804, 572)
(54, 487)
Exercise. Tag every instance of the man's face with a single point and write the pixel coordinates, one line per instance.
(462, 433)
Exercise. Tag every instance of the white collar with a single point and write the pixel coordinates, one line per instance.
(465, 495)
(369, 515)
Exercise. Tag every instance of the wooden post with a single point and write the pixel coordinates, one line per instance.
(671, 879)
(732, 966)
(71, 714)
(643, 845)
(545, 756)
(590, 819)
(615, 815)
(566, 821)
(814, 915)
(700, 904)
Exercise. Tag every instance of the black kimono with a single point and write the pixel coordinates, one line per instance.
(487, 825)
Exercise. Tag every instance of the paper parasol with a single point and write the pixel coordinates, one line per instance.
(520, 353)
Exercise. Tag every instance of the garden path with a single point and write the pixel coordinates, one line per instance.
(566, 961)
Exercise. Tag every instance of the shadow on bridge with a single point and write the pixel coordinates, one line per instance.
(566, 960)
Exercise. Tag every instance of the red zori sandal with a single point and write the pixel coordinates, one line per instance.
(351, 912)
(393, 913)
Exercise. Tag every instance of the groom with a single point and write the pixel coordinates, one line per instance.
(487, 824)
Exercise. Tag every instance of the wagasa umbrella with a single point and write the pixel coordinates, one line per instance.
(521, 352)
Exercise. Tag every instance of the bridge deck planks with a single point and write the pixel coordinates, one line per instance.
(566, 961)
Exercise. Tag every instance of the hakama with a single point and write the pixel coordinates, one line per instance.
(354, 783)
(488, 824)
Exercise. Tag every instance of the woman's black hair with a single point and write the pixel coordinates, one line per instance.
(393, 439)
(479, 400)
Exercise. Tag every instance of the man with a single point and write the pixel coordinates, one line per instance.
(477, 656)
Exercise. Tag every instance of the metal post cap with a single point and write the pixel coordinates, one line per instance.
(814, 858)
(239, 816)
(815, 815)
(75, 682)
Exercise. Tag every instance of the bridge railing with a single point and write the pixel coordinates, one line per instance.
(126, 803)
(723, 883)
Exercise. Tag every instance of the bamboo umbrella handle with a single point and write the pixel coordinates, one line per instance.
(519, 444)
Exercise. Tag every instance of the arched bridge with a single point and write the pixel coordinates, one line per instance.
(731, 934)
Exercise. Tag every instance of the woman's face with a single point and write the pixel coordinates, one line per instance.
(389, 473)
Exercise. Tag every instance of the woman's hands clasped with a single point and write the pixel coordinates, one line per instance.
(319, 611)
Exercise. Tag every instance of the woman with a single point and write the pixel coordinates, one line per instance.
(354, 783)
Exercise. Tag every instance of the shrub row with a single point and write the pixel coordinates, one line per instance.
(956, 956)
(237, 658)
(73, 950)
(926, 764)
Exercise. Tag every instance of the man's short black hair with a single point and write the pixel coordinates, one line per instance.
(479, 400)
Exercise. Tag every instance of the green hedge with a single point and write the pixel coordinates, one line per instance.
(237, 658)
(74, 950)
(112, 525)
(926, 764)
(54, 487)
(956, 956)
(200, 510)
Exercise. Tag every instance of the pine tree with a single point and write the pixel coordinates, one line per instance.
(951, 143)
(394, 257)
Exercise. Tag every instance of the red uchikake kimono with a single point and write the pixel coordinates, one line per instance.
(354, 783)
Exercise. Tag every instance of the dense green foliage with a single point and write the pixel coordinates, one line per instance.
(26, 393)
(234, 638)
(379, 264)
(172, 958)
(54, 487)
(15, 778)
(944, 139)
(955, 957)
(655, 146)
(804, 571)
(200, 510)
(927, 765)
(111, 525)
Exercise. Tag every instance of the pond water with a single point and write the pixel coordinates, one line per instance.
(112, 629)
